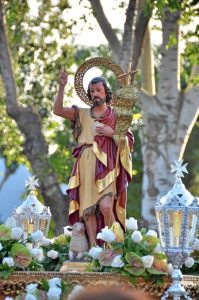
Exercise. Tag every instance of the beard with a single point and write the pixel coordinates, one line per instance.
(98, 103)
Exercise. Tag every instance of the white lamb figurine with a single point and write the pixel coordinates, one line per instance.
(78, 243)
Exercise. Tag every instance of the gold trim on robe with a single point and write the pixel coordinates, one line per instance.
(125, 156)
(121, 213)
(73, 206)
(103, 183)
(102, 156)
(74, 181)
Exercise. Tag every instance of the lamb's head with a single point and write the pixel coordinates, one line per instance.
(78, 227)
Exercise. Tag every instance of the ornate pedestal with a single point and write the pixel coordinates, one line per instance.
(17, 282)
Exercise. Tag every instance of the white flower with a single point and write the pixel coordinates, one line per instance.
(189, 262)
(170, 268)
(147, 260)
(30, 297)
(106, 235)
(78, 289)
(54, 293)
(136, 236)
(9, 298)
(157, 249)
(11, 222)
(37, 253)
(54, 282)
(196, 245)
(67, 230)
(16, 233)
(117, 262)
(131, 224)
(52, 254)
(94, 252)
(46, 242)
(1, 247)
(37, 236)
(9, 261)
(152, 233)
(31, 288)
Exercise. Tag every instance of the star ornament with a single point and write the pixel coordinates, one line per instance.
(179, 168)
(32, 183)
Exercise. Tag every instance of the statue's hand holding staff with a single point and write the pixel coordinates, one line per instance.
(63, 77)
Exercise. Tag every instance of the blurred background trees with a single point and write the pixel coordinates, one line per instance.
(38, 45)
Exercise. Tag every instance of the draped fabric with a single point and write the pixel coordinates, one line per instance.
(92, 176)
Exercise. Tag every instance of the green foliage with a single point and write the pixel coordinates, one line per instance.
(131, 257)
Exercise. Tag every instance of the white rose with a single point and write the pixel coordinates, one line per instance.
(94, 252)
(117, 262)
(46, 242)
(11, 222)
(16, 233)
(30, 297)
(37, 253)
(31, 288)
(52, 254)
(189, 262)
(196, 245)
(131, 224)
(54, 282)
(152, 233)
(54, 293)
(147, 260)
(157, 249)
(1, 247)
(170, 268)
(37, 236)
(9, 261)
(136, 236)
(67, 230)
(78, 289)
(106, 235)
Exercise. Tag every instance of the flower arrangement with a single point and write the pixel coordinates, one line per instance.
(191, 265)
(53, 289)
(135, 254)
(17, 254)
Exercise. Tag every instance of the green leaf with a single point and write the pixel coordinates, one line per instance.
(21, 255)
(155, 271)
(44, 284)
(136, 266)
(5, 233)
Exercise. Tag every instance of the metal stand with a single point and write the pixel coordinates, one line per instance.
(176, 290)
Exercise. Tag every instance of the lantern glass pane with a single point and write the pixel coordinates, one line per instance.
(192, 227)
(42, 225)
(161, 228)
(175, 225)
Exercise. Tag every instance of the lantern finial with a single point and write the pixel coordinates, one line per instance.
(179, 168)
(32, 183)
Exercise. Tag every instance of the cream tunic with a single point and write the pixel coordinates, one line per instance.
(88, 192)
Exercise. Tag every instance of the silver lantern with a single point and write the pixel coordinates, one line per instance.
(178, 218)
(32, 215)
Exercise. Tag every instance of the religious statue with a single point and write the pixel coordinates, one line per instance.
(103, 169)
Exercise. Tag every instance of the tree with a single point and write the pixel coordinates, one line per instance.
(169, 112)
(26, 40)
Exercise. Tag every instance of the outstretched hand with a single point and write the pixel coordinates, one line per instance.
(63, 77)
(105, 130)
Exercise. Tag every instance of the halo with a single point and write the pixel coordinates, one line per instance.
(90, 63)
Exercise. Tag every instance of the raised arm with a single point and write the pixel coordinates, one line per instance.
(59, 109)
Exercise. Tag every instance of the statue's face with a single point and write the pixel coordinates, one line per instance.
(98, 93)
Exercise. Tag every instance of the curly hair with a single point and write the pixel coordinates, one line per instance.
(107, 89)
